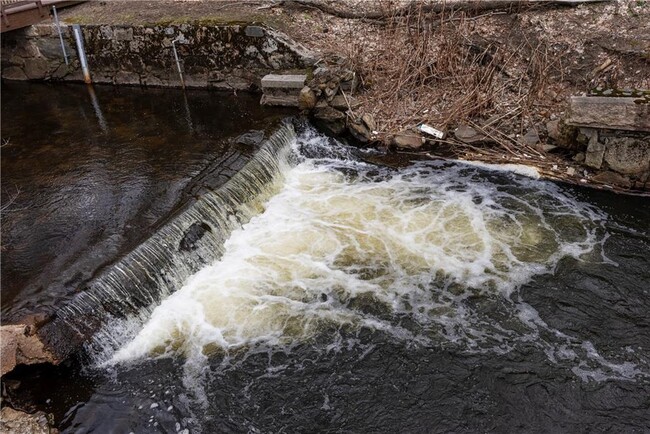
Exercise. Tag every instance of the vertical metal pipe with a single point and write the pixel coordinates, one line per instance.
(58, 27)
(178, 63)
(76, 29)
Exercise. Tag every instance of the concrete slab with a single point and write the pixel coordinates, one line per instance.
(619, 113)
(277, 81)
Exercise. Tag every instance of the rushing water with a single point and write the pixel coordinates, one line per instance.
(441, 297)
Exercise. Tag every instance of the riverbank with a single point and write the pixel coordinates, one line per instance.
(496, 81)
(483, 284)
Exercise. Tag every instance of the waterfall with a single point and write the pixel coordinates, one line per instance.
(161, 264)
(309, 242)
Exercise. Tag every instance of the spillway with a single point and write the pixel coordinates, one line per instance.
(309, 241)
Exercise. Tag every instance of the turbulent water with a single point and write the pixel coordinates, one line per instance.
(430, 255)
(315, 292)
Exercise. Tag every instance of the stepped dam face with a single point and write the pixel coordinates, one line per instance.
(314, 291)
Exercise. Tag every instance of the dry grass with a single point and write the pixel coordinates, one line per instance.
(437, 69)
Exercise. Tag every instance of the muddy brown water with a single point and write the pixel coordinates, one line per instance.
(559, 342)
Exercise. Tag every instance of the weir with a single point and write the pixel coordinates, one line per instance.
(433, 254)
(313, 267)
(307, 240)
(161, 264)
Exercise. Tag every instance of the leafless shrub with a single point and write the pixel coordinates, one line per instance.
(437, 68)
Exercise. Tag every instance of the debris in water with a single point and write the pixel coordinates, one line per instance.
(428, 129)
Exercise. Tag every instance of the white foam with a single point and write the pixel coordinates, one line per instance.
(520, 169)
(343, 244)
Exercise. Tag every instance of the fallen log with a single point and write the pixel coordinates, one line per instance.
(437, 7)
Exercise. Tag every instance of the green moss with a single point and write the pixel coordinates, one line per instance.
(637, 93)
(219, 20)
(310, 73)
(79, 20)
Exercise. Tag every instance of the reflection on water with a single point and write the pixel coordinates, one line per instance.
(97, 169)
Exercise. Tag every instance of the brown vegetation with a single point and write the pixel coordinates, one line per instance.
(503, 71)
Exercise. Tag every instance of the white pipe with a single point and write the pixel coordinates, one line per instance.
(58, 27)
(178, 63)
(82, 54)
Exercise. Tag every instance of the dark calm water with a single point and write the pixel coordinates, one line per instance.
(94, 173)
(436, 298)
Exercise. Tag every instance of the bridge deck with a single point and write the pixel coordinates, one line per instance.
(17, 14)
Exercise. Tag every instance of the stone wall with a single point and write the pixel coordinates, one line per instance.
(223, 56)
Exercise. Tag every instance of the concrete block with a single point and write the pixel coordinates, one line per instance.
(275, 81)
(619, 113)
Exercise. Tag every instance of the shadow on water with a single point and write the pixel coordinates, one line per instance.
(88, 173)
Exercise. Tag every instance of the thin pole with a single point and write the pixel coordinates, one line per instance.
(82, 54)
(58, 27)
(178, 63)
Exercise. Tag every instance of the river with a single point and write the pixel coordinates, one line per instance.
(350, 297)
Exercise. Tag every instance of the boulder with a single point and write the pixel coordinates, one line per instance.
(13, 73)
(349, 85)
(612, 178)
(359, 131)
(330, 91)
(344, 103)
(36, 68)
(19, 345)
(467, 134)
(408, 140)
(595, 149)
(579, 157)
(251, 138)
(561, 134)
(548, 148)
(18, 422)
(330, 120)
(531, 138)
(369, 121)
(306, 99)
(628, 155)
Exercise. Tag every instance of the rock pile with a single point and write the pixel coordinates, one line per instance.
(611, 135)
(329, 99)
(17, 422)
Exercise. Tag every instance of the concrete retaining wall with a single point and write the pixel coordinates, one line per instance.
(223, 56)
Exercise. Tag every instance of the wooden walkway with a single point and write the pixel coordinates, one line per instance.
(17, 14)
